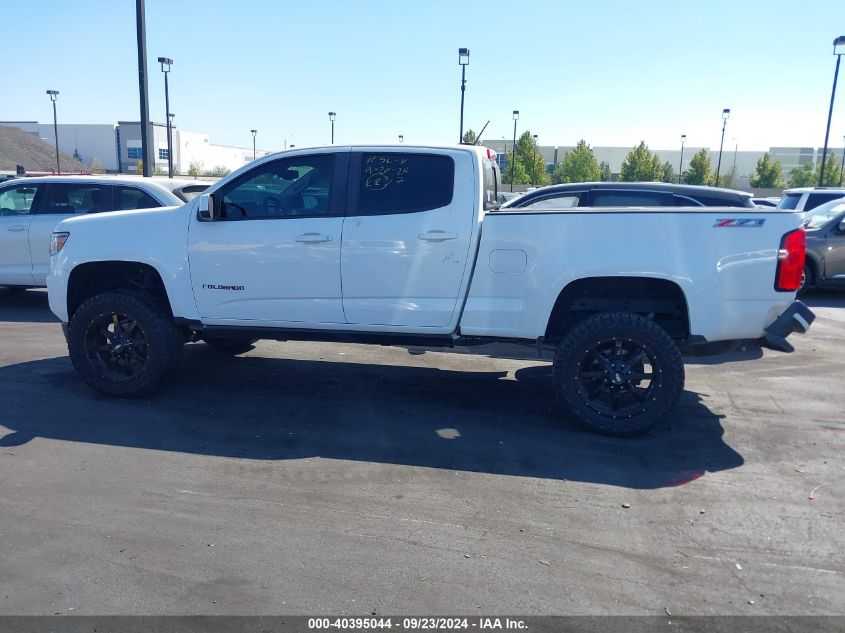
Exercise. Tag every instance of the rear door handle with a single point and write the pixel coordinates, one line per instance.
(313, 238)
(437, 236)
(17, 228)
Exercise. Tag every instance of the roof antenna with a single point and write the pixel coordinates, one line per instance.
(478, 138)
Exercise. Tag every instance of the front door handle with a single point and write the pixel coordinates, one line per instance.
(313, 238)
(17, 228)
(437, 236)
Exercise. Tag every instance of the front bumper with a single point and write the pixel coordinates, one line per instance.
(797, 318)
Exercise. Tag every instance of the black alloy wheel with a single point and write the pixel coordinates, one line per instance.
(619, 378)
(117, 346)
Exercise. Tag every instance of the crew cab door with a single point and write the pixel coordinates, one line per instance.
(406, 238)
(834, 257)
(16, 203)
(272, 254)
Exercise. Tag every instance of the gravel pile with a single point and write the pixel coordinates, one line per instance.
(21, 148)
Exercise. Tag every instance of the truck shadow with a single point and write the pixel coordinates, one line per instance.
(276, 409)
(25, 306)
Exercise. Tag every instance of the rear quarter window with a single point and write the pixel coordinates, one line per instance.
(789, 202)
(815, 199)
(404, 183)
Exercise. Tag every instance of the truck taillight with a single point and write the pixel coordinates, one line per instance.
(491, 154)
(791, 256)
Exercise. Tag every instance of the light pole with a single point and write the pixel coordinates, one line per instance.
(463, 61)
(838, 50)
(332, 115)
(401, 138)
(53, 94)
(726, 113)
(166, 61)
(513, 148)
(254, 132)
(681, 164)
(534, 163)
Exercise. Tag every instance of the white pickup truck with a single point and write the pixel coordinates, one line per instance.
(403, 245)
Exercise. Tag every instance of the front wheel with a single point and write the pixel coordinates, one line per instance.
(618, 373)
(123, 342)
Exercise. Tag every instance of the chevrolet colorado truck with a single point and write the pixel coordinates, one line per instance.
(400, 245)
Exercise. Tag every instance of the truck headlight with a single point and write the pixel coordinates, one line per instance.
(57, 242)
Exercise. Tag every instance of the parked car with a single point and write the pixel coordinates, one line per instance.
(825, 226)
(629, 194)
(766, 202)
(384, 244)
(31, 207)
(808, 198)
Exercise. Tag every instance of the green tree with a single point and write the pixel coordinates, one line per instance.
(470, 137)
(831, 171)
(768, 175)
(699, 169)
(605, 171)
(578, 165)
(728, 179)
(529, 166)
(668, 172)
(217, 170)
(802, 176)
(641, 165)
(194, 168)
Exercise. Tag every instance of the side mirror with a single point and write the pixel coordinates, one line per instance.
(206, 207)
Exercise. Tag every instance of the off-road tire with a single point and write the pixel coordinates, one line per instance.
(633, 329)
(163, 336)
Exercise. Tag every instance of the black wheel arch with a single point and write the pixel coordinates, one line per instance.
(89, 279)
(662, 300)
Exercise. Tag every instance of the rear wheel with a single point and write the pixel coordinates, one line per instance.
(807, 279)
(232, 346)
(618, 373)
(123, 342)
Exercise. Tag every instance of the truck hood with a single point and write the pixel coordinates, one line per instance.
(135, 217)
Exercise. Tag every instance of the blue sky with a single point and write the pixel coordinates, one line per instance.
(611, 72)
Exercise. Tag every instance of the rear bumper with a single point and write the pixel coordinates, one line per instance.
(797, 318)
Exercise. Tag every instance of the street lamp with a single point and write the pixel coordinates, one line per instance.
(401, 138)
(332, 115)
(254, 132)
(463, 61)
(681, 164)
(534, 163)
(513, 148)
(53, 94)
(726, 113)
(838, 50)
(166, 61)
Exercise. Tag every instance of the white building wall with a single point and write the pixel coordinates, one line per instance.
(90, 140)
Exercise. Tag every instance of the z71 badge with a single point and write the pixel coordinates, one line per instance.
(754, 223)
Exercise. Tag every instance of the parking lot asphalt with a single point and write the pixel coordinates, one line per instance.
(325, 478)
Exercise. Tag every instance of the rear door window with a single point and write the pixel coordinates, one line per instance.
(600, 198)
(69, 198)
(815, 199)
(133, 198)
(790, 201)
(404, 183)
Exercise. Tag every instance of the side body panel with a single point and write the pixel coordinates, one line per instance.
(726, 273)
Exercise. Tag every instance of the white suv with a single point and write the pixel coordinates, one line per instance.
(31, 207)
(806, 198)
